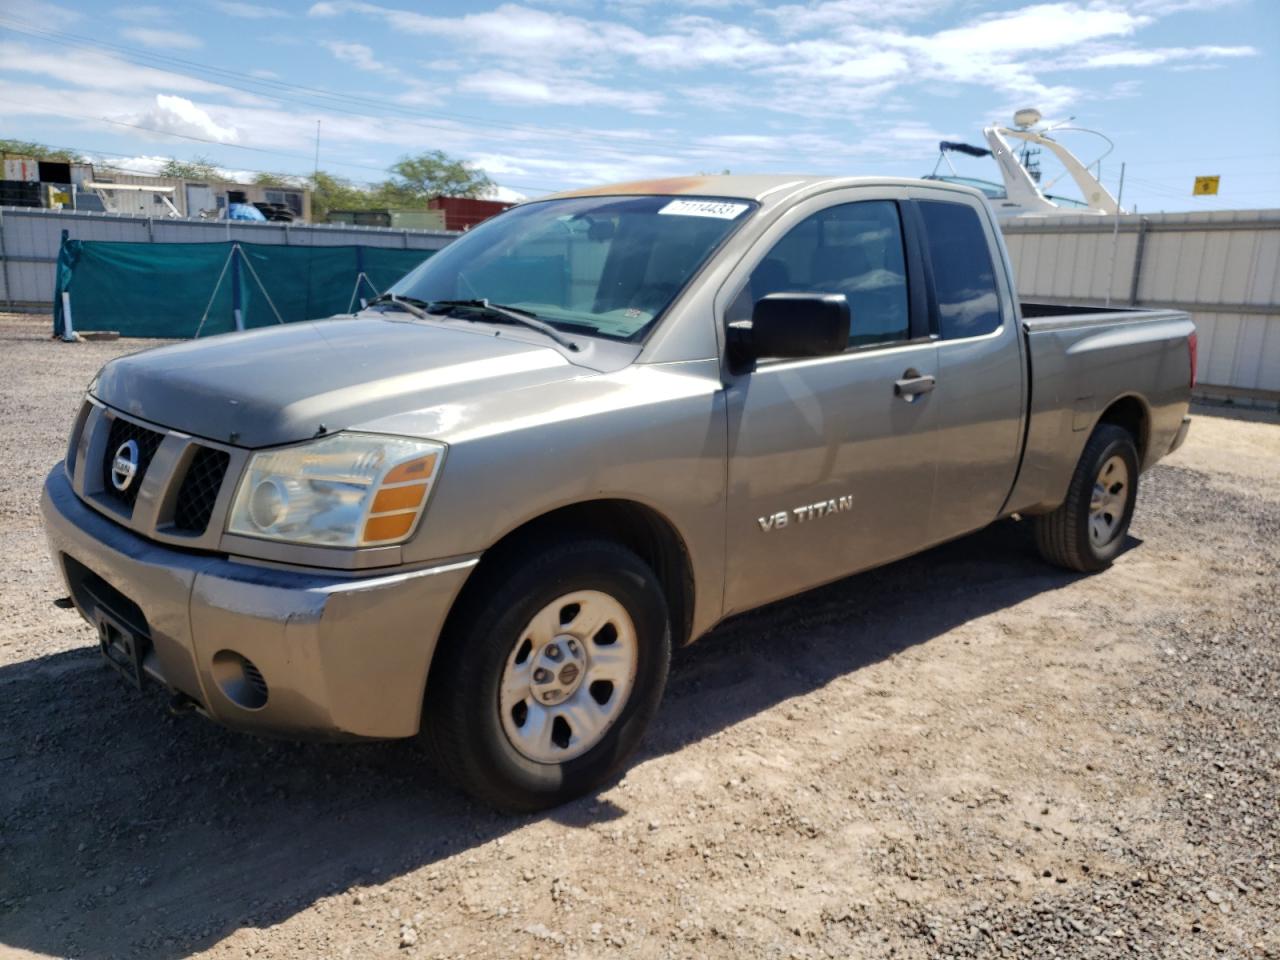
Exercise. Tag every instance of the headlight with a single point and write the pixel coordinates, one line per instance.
(347, 490)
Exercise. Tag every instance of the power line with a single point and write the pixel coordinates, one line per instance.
(1239, 156)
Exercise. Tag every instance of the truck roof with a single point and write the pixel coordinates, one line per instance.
(761, 187)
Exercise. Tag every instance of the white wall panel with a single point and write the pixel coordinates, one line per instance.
(1225, 259)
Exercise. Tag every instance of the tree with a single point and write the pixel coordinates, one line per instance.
(273, 180)
(26, 148)
(329, 192)
(197, 168)
(433, 174)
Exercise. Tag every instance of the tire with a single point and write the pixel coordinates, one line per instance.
(1078, 536)
(474, 724)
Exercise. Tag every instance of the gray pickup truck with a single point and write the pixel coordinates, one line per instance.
(485, 507)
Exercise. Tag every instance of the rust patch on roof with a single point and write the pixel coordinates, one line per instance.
(667, 185)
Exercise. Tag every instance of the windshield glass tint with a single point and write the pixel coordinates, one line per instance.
(608, 265)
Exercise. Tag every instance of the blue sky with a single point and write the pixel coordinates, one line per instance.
(548, 94)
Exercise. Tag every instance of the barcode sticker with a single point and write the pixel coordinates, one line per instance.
(720, 209)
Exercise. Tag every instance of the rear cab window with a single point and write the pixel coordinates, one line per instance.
(964, 278)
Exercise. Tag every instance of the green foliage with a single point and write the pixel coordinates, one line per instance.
(273, 180)
(434, 174)
(26, 148)
(329, 192)
(414, 181)
(197, 168)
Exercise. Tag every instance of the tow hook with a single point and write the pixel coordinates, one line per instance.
(180, 703)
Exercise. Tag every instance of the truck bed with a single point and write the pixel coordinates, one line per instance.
(1086, 362)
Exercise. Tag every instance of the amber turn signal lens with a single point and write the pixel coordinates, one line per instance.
(398, 498)
(388, 528)
(419, 469)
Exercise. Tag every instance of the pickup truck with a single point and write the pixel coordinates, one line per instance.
(485, 507)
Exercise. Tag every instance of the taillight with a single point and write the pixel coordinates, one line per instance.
(1193, 347)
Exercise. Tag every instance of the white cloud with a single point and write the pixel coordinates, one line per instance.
(179, 115)
(841, 57)
(820, 85)
(143, 163)
(248, 11)
(505, 86)
(358, 55)
(1033, 29)
(96, 70)
(1157, 56)
(795, 18)
(164, 39)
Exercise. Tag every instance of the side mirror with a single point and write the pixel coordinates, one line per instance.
(791, 325)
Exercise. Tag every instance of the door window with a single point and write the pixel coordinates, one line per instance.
(964, 278)
(855, 249)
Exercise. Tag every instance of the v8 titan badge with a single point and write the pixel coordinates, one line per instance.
(810, 511)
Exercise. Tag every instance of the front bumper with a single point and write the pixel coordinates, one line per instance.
(339, 656)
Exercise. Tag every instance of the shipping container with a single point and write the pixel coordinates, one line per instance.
(462, 213)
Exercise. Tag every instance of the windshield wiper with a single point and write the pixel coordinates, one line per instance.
(407, 304)
(524, 318)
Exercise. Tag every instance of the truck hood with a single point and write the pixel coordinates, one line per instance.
(289, 383)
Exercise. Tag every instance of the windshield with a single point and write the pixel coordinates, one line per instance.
(607, 266)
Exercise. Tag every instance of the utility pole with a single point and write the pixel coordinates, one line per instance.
(316, 171)
(1115, 234)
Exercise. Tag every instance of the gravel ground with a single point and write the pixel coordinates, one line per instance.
(965, 754)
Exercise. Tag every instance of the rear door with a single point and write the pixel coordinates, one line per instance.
(981, 388)
(831, 466)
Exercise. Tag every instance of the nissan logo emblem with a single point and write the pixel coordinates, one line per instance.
(125, 465)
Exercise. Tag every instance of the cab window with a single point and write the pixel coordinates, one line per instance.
(964, 279)
(855, 249)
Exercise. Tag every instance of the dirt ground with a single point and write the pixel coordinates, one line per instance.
(965, 754)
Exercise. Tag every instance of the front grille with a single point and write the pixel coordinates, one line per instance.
(148, 441)
(199, 490)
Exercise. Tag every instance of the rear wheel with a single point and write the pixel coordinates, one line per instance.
(1087, 531)
(552, 674)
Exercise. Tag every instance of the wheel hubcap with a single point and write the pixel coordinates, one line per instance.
(568, 676)
(1109, 501)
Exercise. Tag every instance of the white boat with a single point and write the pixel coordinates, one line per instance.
(1022, 194)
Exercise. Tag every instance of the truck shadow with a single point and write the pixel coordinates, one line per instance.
(126, 832)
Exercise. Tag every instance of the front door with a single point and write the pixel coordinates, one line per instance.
(981, 390)
(831, 459)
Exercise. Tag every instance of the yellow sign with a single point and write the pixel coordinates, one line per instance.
(1205, 187)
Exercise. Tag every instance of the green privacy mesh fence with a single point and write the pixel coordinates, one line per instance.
(196, 289)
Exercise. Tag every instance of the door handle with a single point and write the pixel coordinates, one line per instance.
(913, 384)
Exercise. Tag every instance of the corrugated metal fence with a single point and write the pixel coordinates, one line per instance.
(1223, 267)
(30, 237)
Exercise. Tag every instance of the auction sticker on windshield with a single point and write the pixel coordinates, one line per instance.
(720, 209)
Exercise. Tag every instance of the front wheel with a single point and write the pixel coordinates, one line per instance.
(548, 681)
(1087, 531)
